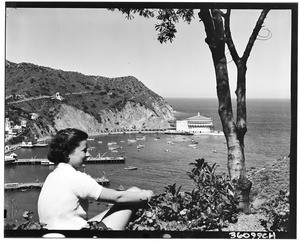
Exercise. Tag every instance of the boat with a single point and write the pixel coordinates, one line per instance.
(111, 143)
(99, 142)
(141, 138)
(114, 147)
(130, 168)
(140, 146)
(90, 139)
(104, 176)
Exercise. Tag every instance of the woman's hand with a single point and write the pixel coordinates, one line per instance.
(148, 194)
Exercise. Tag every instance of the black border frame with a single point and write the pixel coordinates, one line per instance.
(293, 6)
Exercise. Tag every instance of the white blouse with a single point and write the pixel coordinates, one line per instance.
(63, 201)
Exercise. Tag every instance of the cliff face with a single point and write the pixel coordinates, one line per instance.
(132, 117)
(92, 103)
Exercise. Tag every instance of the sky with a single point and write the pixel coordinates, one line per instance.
(102, 42)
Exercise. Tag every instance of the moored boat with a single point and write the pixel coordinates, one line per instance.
(130, 168)
(140, 146)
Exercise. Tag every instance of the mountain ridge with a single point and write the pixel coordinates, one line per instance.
(30, 88)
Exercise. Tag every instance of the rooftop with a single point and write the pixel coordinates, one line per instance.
(199, 118)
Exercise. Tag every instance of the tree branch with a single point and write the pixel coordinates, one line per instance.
(254, 34)
(205, 16)
(228, 38)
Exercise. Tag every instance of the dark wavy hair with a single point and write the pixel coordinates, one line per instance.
(64, 143)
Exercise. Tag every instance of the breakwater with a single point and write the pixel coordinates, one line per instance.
(32, 185)
(90, 160)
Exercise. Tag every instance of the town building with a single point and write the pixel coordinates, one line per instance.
(58, 96)
(11, 130)
(34, 116)
(195, 124)
(8, 125)
(23, 123)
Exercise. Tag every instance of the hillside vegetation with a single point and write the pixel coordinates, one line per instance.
(31, 88)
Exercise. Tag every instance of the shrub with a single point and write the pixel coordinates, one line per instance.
(28, 225)
(277, 212)
(210, 205)
(97, 87)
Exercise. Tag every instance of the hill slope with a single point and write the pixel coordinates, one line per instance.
(92, 103)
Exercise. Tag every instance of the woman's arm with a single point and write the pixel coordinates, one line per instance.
(132, 195)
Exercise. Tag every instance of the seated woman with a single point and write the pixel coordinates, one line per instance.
(64, 198)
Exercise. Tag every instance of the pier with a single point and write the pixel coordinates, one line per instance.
(89, 160)
(38, 185)
(31, 161)
(102, 160)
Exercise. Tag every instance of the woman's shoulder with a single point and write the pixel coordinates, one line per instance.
(82, 174)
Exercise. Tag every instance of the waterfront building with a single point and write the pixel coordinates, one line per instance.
(195, 124)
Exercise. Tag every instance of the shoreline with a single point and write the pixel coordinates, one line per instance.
(127, 132)
(169, 132)
(14, 147)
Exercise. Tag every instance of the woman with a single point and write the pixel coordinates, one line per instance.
(63, 201)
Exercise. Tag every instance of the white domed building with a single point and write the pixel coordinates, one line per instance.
(195, 124)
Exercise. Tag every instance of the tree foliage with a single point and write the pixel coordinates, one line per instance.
(168, 18)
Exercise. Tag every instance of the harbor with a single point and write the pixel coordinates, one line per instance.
(156, 167)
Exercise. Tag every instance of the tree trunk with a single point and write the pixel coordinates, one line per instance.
(234, 137)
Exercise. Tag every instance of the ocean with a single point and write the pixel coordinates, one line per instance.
(164, 160)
